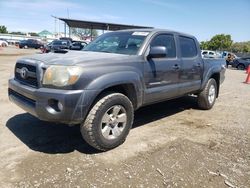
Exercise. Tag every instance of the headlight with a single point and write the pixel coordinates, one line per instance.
(61, 75)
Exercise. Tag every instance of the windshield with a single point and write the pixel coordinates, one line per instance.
(118, 42)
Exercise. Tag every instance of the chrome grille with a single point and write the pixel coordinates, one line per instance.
(27, 74)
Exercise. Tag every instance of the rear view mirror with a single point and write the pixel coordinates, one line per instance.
(157, 52)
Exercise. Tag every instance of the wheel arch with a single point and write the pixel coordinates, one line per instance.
(127, 83)
(216, 77)
(127, 89)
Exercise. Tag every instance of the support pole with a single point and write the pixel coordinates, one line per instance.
(91, 33)
(64, 29)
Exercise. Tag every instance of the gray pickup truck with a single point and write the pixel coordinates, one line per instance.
(101, 86)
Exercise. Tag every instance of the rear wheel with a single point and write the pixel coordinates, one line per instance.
(108, 122)
(207, 97)
(241, 67)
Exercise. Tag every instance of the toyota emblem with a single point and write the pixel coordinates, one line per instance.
(24, 72)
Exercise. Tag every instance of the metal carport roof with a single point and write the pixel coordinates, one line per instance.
(98, 25)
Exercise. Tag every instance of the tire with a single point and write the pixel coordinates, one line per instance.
(207, 97)
(241, 67)
(108, 122)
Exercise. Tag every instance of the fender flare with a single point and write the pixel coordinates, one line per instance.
(208, 75)
(118, 78)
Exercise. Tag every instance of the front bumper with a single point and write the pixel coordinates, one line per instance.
(43, 102)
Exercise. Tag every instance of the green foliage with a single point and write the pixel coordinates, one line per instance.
(3, 29)
(218, 42)
(17, 33)
(224, 42)
(204, 45)
(241, 47)
(82, 33)
(33, 34)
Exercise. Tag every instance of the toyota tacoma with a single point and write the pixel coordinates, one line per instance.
(119, 72)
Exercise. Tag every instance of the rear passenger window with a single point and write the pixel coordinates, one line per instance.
(167, 41)
(188, 47)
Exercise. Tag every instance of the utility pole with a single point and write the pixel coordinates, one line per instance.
(55, 24)
(68, 18)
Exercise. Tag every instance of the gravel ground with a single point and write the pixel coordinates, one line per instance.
(171, 144)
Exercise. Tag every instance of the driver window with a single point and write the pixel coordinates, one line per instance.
(167, 41)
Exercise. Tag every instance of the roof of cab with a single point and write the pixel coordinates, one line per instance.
(155, 31)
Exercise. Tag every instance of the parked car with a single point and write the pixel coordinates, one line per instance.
(3, 43)
(66, 38)
(241, 63)
(210, 54)
(30, 43)
(60, 44)
(119, 72)
(56, 45)
(77, 45)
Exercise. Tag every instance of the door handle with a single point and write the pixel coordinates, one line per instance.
(176, 67)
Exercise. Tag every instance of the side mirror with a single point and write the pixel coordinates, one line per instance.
(157, 52)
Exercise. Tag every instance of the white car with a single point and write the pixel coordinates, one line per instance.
(3, 43)
(210, 54)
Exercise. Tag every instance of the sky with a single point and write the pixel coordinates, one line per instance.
(203, 19)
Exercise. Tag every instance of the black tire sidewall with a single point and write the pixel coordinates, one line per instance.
(203, 101)
(209, 84)
(114, 100)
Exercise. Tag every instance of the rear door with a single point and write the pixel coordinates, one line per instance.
(191, 65)
(162, 74)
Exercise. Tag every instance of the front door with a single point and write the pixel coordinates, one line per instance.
(162, 74)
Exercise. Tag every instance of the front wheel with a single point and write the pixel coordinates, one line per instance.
(207, 97)
(108, 122)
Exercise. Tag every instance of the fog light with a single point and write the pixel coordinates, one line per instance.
(54, 106)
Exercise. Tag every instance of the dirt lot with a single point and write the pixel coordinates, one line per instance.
(172, 144)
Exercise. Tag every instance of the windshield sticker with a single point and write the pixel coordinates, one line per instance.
(140, 33)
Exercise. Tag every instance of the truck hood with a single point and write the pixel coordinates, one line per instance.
(77, 58)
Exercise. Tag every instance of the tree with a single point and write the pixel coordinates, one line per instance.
(241, 47)
(3, 29)
(17, 33)
(204, 45)
(220, 42)
(33, 34)
(224, 42)
(83, 33)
